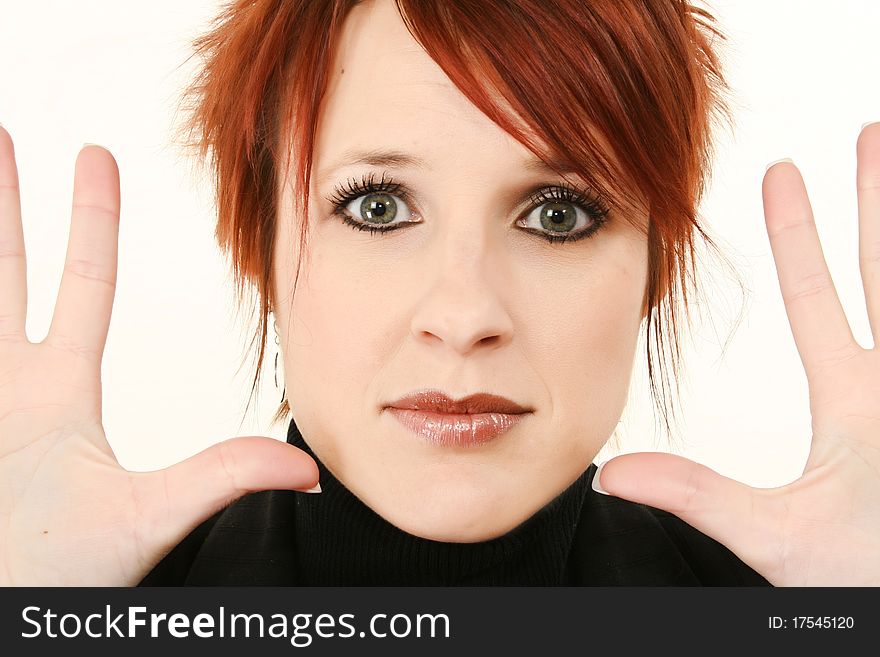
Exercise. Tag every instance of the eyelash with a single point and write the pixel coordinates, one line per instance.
(588, 202)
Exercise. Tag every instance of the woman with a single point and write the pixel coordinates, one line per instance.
(488, 165)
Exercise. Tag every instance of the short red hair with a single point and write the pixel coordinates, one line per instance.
(640, 77)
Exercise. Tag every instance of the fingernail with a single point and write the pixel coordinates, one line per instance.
(785, 159)
(316, 489)
(865, 125)
(595, 483)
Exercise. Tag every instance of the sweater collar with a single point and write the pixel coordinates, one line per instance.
(342, 541)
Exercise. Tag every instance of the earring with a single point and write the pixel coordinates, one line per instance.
(277, 352)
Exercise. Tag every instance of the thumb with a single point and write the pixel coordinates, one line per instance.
(196, 488)
(734, 514)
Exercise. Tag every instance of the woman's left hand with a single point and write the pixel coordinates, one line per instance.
(824, 528)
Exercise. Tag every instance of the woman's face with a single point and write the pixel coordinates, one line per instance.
(464, 300)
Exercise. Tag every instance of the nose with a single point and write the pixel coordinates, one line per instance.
(461, 306)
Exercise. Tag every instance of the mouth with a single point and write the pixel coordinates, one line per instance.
(467, 422)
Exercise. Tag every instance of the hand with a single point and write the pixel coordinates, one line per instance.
(824, 528)
(69, 513)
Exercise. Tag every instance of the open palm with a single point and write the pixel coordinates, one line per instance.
(823, 528)
(69, 513)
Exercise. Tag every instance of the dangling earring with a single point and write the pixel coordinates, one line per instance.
(277, 352)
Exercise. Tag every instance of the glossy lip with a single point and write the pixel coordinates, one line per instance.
(470, 421)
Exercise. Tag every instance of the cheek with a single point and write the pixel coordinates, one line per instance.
(337, 337)
(586, 348)
(602, 325)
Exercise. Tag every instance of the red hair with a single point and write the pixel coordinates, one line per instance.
(636, 86)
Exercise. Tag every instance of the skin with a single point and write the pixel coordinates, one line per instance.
(469, 302)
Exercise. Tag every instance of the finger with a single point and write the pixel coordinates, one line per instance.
(734, 514)
(201, 485)
(13, 267)
(868, 189)
(88, 283)
(819, 326)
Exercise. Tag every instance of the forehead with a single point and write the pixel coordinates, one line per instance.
(385, 91)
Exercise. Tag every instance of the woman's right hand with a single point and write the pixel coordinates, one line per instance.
(69, 513)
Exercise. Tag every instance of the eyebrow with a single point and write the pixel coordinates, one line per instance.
(401, 159)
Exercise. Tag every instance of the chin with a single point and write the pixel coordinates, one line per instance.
(465, 517)
(450, 530)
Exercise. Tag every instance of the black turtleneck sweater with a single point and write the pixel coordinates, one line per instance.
(581, 537)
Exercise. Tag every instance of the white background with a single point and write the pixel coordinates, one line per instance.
(111, 72)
